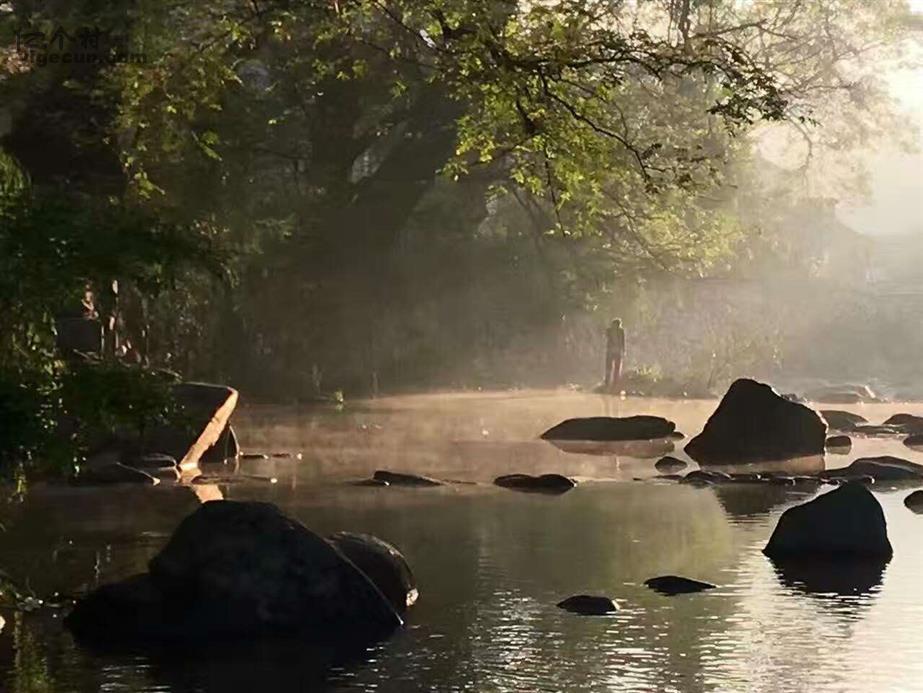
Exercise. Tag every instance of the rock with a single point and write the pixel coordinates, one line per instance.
(754, 424)
(235, 570)
(383, 564)
(905, 423)
(914, 501)
(705, 477)
(669, 464)
(847, 521)
(781, 481)
(611, 428)
(588, 605)
(670, 477)
(914, 441)
(884, 468)
(116, 473)
(225, 448)
(546, 483)
(748, 478)
(840, 420)
(838, 444)
(676, 435)
(254, 456)
(671, 585)
(843, 394)
(398, 479)
(873, 430)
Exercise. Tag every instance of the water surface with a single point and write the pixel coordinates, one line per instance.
(492, 563)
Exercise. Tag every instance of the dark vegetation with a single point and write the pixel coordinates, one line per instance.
(299, 198)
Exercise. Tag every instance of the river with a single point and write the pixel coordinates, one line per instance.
(490, 563)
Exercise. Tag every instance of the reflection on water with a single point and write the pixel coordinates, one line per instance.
(491, 564)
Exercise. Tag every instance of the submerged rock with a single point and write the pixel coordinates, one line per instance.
(383, 563)
(876, 430)
(671, 585)
(545, 483)
(840, 420)
(238, 570)
(848, 521)
(400, 479)
(588, 605)
(838, 444)
(914, 501)
(704, 477)
(669, 464)
(611, 428)
(754, 424)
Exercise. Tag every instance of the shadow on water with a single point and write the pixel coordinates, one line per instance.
(831, 578)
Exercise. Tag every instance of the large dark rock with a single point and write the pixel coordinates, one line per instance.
(847, 522)
(611, 428)
(383, 564)
(840, 420)
(671, 585)
(588, 605)
(238, 570)
(544, 483)
(753, 424)
(883, 468)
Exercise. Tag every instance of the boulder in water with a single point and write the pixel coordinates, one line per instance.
(914, 501)
(905, 423)
(545, 483)
(669, 464)
(383, 564)
(238, 570)
(671, 585)
(611, 428)
(588, 605)
(840, 420)
(754, 424)
(883, 468)
(838, 444)
(846, 522)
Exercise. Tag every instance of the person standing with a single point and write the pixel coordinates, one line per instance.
(615, 355)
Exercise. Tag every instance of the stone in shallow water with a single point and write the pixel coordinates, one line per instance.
(754, 424)
(907, 423)
(611, 428)
(588, 605)
(883, 468)
(914, 501)
(838, 444)
(669, 464)
(545, 483)
(848, 521)
(671, 585)
(840, 420)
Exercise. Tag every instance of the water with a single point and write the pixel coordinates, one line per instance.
(492, 563)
